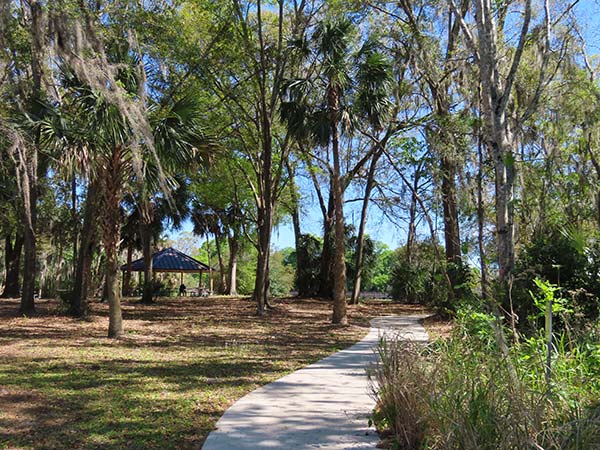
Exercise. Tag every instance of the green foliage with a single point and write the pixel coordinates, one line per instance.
(380, 274)
(247, 270)
(466, 393)
(423, 279)
(547, 294)
(475, 323)
(281, 275)
(369, 258)
(566, 259)
(309, 264)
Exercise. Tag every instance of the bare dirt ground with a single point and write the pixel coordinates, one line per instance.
(181, 363)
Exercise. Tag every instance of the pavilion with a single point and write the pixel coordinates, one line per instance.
(171, 260)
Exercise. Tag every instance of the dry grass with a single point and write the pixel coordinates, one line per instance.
(181, 364)
(438, 327)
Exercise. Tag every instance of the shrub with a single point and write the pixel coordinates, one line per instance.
(281, 275)
(309, 265)
(422, 280)
(425, 279)
(563, 257)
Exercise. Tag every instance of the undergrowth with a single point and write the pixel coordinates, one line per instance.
(466, 392)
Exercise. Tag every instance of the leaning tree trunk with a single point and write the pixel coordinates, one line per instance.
(362, 226)
(111, 225)
(412, 227)
(339, 260)
(88, 241)
(294, 212)
(12, 262)
(327, 255)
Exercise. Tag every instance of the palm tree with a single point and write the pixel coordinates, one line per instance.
(181, 146)
(117, 161)
(320, 121)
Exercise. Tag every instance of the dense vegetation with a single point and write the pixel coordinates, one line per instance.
(471, 127)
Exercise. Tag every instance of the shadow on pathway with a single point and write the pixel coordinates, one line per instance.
(325, 405)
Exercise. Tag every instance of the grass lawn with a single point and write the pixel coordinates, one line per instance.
(182, 363)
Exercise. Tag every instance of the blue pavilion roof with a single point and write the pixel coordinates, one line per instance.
(170, 260)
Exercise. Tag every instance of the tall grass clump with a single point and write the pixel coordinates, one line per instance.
(472, 392)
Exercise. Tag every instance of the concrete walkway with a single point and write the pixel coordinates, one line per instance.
(325, 405)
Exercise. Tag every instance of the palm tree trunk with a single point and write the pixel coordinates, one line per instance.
(12, 263)
(111, 224)
(339, 260)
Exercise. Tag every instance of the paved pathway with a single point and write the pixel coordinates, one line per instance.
(325, 405)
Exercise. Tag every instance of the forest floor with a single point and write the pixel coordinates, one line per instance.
(180, 365)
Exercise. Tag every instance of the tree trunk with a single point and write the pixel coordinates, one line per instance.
(115, 319)
(12, 262)
(326, 271)
(295, 217)
(222, 275)
(339, 259)
(451, 229)
(79, 299)
(29, 165)
(111, 225)
(480, 224)
(127, 274)
(361, 228)
(504, 214)
(261, 286)
(495, 94)
(232, 269)
(75, 220)
(412, 227)
(29, 235)
(147, 254)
